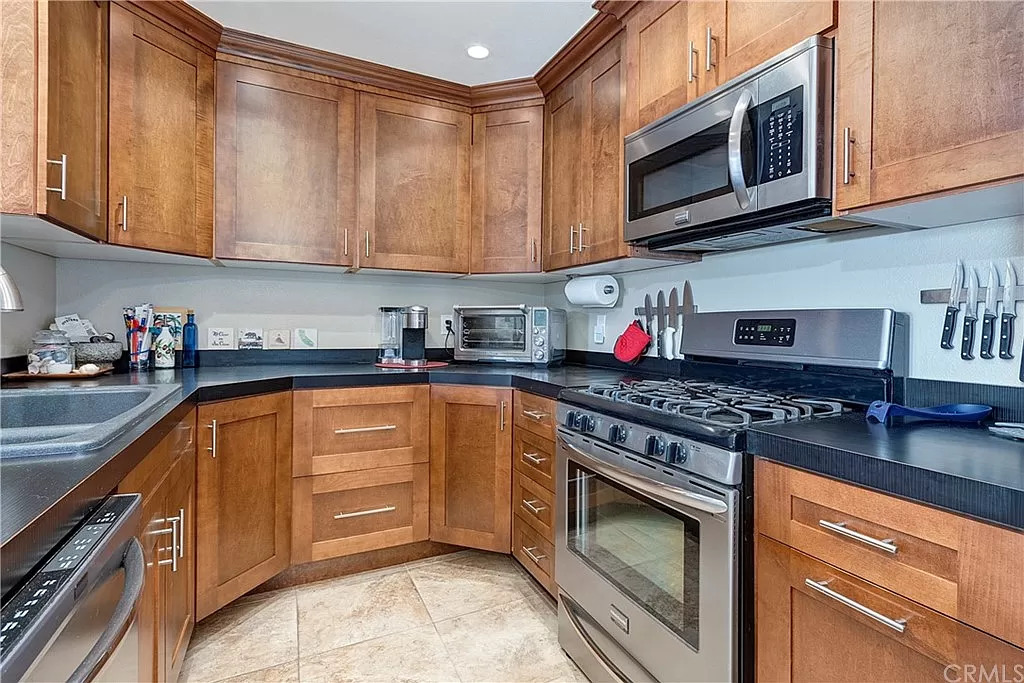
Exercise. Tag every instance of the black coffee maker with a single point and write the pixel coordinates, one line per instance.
(414, 335)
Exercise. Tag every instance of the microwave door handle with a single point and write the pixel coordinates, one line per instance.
(735, 158)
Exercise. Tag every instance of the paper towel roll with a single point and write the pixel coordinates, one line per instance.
(598, 291)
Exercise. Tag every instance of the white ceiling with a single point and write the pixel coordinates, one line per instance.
(426, 37)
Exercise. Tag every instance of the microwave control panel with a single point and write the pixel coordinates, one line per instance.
(764, 332)
(782, 133)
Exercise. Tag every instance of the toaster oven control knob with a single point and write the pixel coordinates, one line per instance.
(539, 354)
(676, 453)
(538, 341)
(654, 445)
(617, 434)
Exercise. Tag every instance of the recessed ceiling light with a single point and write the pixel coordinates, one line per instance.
(477, 51)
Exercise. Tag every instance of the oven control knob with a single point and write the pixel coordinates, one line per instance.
(586, 423)
(538, 341)
(570, 419)
(539, 354)
(676, 453)
(654, 445)
(617, 434)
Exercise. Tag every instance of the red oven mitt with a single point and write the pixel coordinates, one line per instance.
(631, 343)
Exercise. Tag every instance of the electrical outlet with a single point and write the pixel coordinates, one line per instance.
(446, 322)
(599, 328)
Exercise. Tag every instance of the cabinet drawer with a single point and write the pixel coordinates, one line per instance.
(534, 553)
(352, 512)
(534, 504)
(535, 414)
(957, 566)
(342, 430)
(534, 456)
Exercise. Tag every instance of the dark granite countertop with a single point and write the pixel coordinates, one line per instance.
(961, 468)
(42, 498)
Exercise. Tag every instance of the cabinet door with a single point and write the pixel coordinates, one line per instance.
(243, 496)
(161, 139)
(563, 168)
(745, 33)
(659, 70)
(912, 133)
(152, 666)
(178, 579)
(414, 186)
(74, 93)
(799, 627)
(285, 168)
(471, 466)
(600, 234)
(507, 163)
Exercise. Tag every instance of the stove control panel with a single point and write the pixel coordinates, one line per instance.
(764, 332)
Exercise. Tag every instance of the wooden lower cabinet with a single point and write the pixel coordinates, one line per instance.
(534, 457)
(243, 496)
(535, 553)
(817, 623)
(471, 466)
(354, 512)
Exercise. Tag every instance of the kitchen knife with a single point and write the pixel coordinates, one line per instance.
(649, 315)
(949, 326)
(970, 316)
(670, 329)
(688, 308)
(1009, 313)
(988, 316)
(662, 322)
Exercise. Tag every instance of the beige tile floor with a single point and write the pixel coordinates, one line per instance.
(469, 616)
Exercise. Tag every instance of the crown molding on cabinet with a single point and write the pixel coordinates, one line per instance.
(616, 8)
(518, 92)
(184, 18)
(587, 41)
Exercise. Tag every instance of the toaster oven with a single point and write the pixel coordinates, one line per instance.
(510, 334)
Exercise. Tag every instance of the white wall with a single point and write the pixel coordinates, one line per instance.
(857, 271)
(342, 307)
(35, 275)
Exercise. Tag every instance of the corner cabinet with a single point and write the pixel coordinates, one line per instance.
(901, 130)
(161, 122)
(507, 165)
(471, 466)
(272, 127)
(243, 496)
(414, 186)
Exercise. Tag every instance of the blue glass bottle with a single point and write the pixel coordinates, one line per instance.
(189, 341)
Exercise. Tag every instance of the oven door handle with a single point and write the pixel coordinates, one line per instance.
(735, 157)
(613, 671)
(663, 493)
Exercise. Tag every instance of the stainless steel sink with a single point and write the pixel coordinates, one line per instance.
(65, 420)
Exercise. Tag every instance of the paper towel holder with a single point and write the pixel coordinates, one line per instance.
(592, 291)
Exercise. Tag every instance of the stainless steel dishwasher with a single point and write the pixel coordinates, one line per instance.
(75, 618)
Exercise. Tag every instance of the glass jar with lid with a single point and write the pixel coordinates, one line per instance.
(51, 353)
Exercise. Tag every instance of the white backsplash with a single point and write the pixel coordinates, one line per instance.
(853, 270)
(35, 275)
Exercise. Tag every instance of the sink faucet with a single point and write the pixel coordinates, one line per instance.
(10, 297)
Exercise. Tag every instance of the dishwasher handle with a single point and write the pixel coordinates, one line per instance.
(134, 564)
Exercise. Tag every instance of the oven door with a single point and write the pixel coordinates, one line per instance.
(647, 561)
(698, 167)
(492, 333)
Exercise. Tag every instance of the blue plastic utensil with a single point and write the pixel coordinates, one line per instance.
(880, 411)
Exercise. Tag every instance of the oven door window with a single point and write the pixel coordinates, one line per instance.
(650, 552)
(494, 331)
(692, 170)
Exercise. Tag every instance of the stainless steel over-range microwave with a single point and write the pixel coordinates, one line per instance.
(510, 334)
(747, 164)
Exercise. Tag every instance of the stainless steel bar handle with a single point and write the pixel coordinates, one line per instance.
(735, 149)
(534, 458)
(572, 235)
(346, 241)
(213, 438)
(181, 532)
(689, 62)
(847, 172)
(535, 414)
(532, 506)
(579, 236)
(708, 62)
(367, 239)
(355, 430)
(502, 422)
(174, 544)
(124, 213)
(530, 553)
(534, 250)
(63, 163)
(898, 625)
(840, 528)
(363, 513)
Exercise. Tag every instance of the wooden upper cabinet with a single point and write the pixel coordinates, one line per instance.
(243, 496)
(286, 175)
(563, 140)
(507, 165)
(161, 138)
(471, 466)
(659, 75)
(414, 186)
(936, 113)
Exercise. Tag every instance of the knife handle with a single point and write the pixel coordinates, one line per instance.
(967, 345)
(1006, 336)
(670, 343)
(988, 329)
(949, 326)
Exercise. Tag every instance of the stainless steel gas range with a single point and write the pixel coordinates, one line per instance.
(654, 521)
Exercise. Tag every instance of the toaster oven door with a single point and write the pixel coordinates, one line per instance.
(489, 333)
